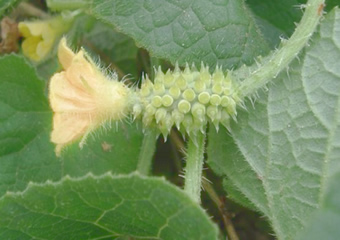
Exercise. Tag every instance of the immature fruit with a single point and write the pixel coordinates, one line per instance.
(188, 99)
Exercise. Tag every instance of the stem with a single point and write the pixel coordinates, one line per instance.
(220, 205)
(149, 144)
(177, 156)
(31, 10)
(194, 166)
(178, 145)
(147, 151)
(290, 49)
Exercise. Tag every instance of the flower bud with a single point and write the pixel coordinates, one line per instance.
(40, 36)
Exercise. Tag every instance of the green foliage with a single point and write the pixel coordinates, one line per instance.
(6, 4)
(26, 152)
(107, 45)
(103, 207)
(215, 32)
(276, 18)
(286, 147)
(281, 158)
(324, 224)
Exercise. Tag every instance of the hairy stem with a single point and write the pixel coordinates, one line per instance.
(149, 141)
(194, 166)
(147, 151)
(284, 55)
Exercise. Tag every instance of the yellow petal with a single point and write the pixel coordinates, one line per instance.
(82, 98)
(40, 36)
(28, 29)
(82, 74)
(68, 127)
(35, 46)
(64, 97)
(29, 46)
(65, 54)
(43, 48)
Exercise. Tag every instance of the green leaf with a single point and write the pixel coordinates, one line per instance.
(26, 153)
(118, 49)
(48, 67)
(330, 4)
(287, 146)
(237, 196)
(225, 159)
(325, 222)
(216, 32)
(6, 4)
(279, 14)
(104, 207)
(276, 18)
(114, 49)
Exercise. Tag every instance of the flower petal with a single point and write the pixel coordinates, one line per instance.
(28, 29)
(29, 46)
(67, 128)
(41, 35)
(64, 97)
(82, 98)
(84, 74)
(65, 54)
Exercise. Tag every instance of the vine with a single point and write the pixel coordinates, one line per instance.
(187, 99)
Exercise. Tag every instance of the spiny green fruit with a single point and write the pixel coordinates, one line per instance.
(188, 99)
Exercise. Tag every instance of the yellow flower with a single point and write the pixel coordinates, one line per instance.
(41, 35)
(82, 98)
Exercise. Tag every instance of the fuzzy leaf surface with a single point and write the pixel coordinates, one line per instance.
(288, 145)
(324, 224)
(104, 207)
(216, 32)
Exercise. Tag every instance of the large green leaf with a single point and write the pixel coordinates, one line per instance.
(288, 146)
(26, 153)
(103, 207)
(325, 222)
(216, 32)
(280, 14)
(276, 18)
(225, 157)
